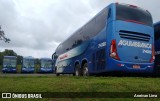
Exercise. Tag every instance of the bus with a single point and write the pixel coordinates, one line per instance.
(46, 65)
(28, 65)
(120, 38)
(9, 64)
(157, 46)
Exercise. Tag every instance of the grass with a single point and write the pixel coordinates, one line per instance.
(81, 84)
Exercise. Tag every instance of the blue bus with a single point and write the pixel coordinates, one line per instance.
(9, 64)
(28, 65)
(120, 38)
(157, 46)
(46, 65)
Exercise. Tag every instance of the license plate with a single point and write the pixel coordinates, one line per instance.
(136, 66)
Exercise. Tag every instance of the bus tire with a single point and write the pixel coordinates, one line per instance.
(77, 71)
(57, 74)
(85, 70)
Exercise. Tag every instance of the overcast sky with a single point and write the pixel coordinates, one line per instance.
(36, 27)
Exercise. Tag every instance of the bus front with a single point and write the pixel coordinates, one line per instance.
(46, 66)
(9, 64)
(28, 65)
(132, 42)
(157, 47)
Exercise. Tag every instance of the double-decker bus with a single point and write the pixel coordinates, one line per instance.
(157, 47)
(120, 38)
(28, 65)
(46, 65)
(9, 64)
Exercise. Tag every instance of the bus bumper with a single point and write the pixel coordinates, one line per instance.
(128, 67)
(43, 70)
(9, 70)
(24, 70)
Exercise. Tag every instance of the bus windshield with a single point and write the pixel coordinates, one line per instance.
(157, 32)
(46, 63)
(28, 63)
(9, 62)
(132, 13)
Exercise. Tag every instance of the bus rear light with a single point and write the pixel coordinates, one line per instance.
(120, 65)
(134, 21)
(113, 50)
(153, 55)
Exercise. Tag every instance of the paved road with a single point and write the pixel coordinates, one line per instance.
(27, 75)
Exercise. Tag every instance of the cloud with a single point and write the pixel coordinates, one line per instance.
(36, 27)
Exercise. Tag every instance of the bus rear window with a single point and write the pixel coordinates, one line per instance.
(157, 32)
(132, 13)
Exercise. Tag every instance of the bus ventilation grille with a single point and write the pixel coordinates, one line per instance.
(134, 35)
(100, 59)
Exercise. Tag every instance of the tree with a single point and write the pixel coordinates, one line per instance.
(2, 36)
(7, 52)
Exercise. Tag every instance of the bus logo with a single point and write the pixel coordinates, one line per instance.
(63, 56)
(6, 95)
(134, 44)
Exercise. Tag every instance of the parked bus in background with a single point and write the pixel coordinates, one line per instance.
(28, 65)
(9, 64)
(46, 65)
(120, 38)
(157, 46)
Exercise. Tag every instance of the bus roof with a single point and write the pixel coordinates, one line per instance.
(45, 59)
(28, 57)
(96, 16)
(157, 23)
(10, 56)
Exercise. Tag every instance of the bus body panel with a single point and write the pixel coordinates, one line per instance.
(9, 67)
(132, 37)
(64, 61)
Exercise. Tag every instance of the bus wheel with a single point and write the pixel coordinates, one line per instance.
(85, 70)
(57, 74)
(77, 70)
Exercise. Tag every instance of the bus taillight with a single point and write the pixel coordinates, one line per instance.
(153, 55)
(113, 50)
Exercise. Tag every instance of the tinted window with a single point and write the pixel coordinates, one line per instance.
(101, 21)
(124, 12)
(88, 31)
(92, 28)
(157, 32)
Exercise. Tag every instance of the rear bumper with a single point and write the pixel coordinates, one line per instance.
(121, 66)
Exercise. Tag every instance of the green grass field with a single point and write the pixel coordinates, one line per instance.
(81, 84)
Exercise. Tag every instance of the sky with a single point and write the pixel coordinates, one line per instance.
(37, 27)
